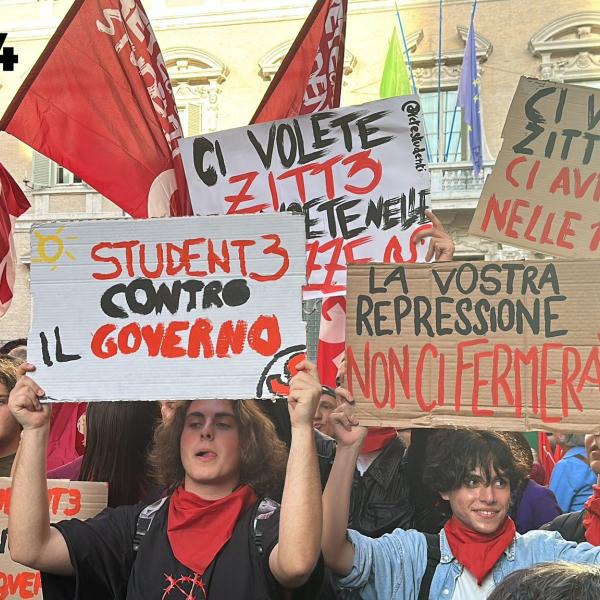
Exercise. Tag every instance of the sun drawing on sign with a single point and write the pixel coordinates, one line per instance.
(51, 248)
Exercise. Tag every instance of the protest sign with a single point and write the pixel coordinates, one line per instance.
(179, 308)
(67, 500)
(359, 174)
(544, 190)
(496, 345)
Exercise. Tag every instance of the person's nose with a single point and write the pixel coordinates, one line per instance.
(208, 431)
(487, 494)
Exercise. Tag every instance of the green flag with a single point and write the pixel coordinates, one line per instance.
(395, 80)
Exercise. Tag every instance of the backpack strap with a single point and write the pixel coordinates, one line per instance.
(144, 521)
(433, 560)
(263, 511)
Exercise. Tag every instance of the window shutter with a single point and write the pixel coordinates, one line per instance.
(40, 170)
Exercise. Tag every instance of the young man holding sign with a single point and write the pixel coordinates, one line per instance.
(474, 471)
(213, 537)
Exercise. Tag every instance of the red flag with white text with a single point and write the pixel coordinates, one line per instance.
(310, 77)
(99, 102)
(13, 203)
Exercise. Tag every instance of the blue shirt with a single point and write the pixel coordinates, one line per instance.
(392, 567)
(572, 480)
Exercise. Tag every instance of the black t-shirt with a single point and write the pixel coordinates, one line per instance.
(106, 567)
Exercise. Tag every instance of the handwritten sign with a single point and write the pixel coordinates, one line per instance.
(196, 307)
(500, 345)
(67, 499)
(545, 188)
(358, 174)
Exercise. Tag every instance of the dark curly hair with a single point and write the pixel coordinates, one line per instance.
(452, 456)
(263, 455)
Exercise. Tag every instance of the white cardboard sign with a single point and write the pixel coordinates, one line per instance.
(358, 174)
(179, 308)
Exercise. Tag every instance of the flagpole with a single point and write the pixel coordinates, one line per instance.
(447, 151)
(439, 86)
(412, 75)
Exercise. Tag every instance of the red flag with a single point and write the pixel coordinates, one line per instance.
(310, 77)
(332, 337)
(13, 204)
(99, 102)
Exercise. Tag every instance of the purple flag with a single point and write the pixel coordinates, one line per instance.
(469, 100)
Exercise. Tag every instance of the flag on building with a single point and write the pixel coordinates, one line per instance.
(13, 204)
(99, 102)
(395, 80)
(310, 77)
(469, 99)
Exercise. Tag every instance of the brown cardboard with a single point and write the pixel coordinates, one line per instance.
(402, 376)
(67, 499)
(544, 191)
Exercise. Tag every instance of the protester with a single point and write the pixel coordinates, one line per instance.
(207, 538)
(572, 478)
(327, 404)
(10, 430)
(557, 581)
(118, 439)
(474, 471)
(580, 526)
(533, 505)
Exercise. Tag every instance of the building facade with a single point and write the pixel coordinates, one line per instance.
(221, 55)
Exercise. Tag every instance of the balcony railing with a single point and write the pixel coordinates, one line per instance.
(454, 185)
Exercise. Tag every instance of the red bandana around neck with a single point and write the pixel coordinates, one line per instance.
(477, 552)
(377, 439)
(199, 528)
(591, 517)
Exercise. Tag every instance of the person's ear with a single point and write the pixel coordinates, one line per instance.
(445, 496)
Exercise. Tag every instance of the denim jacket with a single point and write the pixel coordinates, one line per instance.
(391, 567)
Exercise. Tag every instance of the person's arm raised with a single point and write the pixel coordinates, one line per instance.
(337, 549)
(297, 551)
(441, 245)
(31, 540)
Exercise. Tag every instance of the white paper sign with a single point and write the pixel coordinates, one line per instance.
(179, 308)
(359, 174)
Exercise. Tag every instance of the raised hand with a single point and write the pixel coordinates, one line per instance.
(304, 396)
(24, 401)
(346, 428)
(441, 246)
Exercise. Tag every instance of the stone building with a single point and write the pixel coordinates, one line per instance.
(221, 55)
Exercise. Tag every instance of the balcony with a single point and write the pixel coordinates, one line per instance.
(454, 185)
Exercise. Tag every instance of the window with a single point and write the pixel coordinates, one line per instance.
(453, 145)
(47, 173)
(63, 176)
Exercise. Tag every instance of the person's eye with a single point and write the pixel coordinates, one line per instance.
(472, 482)
(194, 424)
(224, 425)
(499, 482)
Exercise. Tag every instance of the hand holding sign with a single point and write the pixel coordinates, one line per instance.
(24, 401)
(346, 427)
(441, 246)
(305, 393)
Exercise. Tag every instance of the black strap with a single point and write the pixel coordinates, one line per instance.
(144, 521)
(433, 560)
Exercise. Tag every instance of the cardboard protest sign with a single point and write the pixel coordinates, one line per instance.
(179, 308)
(497, 345)
(359, 175)
(67, 499)
(544, 191)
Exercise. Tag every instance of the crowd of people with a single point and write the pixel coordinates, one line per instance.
(254, 500)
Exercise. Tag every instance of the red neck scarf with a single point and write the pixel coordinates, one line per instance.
(591, 517)
(477, 552)
(378, 438)
(199, 528)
